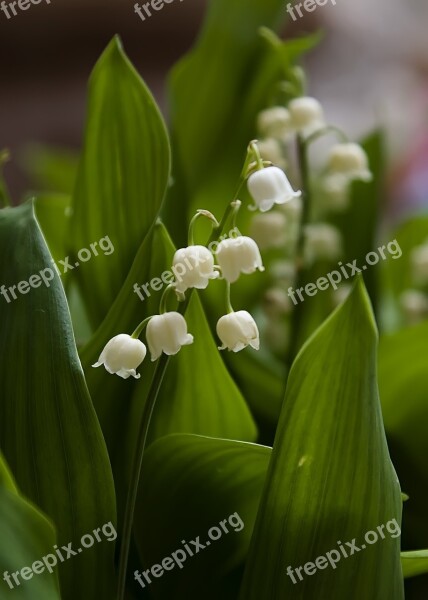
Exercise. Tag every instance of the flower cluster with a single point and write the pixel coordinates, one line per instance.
(198, 265)
(167, 332)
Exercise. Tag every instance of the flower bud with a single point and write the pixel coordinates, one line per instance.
(268, 230)
(238, 330)
(419, 263)
(238, 255)
(193, 267)
(307, 115)
(167, 333)
(323, 242)
(271, 151)
(122, 355)
(270, 186)
(349, 160)
(275, 122)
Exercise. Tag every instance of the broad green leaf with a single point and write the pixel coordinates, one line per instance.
(122, 176)
(209, 480)
(224, 72)
(49, 432)
(53, 215)
(198, 394)
(330, 478)
(403, 384)
(414, 563)
(26, 536)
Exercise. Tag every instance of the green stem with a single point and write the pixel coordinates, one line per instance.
(162, 304)
(140, 328)
(297, 318)
(136, 472)
(228, 302)
(144, 428)
(325, 131)
(200, 213)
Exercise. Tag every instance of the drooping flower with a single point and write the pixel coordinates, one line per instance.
(275, 123)
(193, 267)
(167, 333)
(270, 186)
(238, 255)
(322, 242)
(122, 355)
(237, 330)
(269, 230)
(350, 161)
(307, 115)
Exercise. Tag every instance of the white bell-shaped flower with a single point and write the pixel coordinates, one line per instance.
(322, 242)
(122, 355)
(419, 264)
(307, 115)
(193, 267)
(167, 333)
(275, 123)
(269, 230)
(349, 160)
(270, 186)
(238, 330)
(238, 255)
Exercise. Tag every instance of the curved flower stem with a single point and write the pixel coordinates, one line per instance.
(253, 147)
(162, 303)
(325, 131)
(145, 424)
(199, 214)
(140, 328)
(300, 258)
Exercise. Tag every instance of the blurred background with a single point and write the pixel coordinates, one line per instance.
(370, 70)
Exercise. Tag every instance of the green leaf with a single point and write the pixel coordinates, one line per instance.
(403, 384)
(414, 563)
(210, 480)
(49, 432)
(53, 215)
(330, 478)
(26, 536)
(122, 177)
